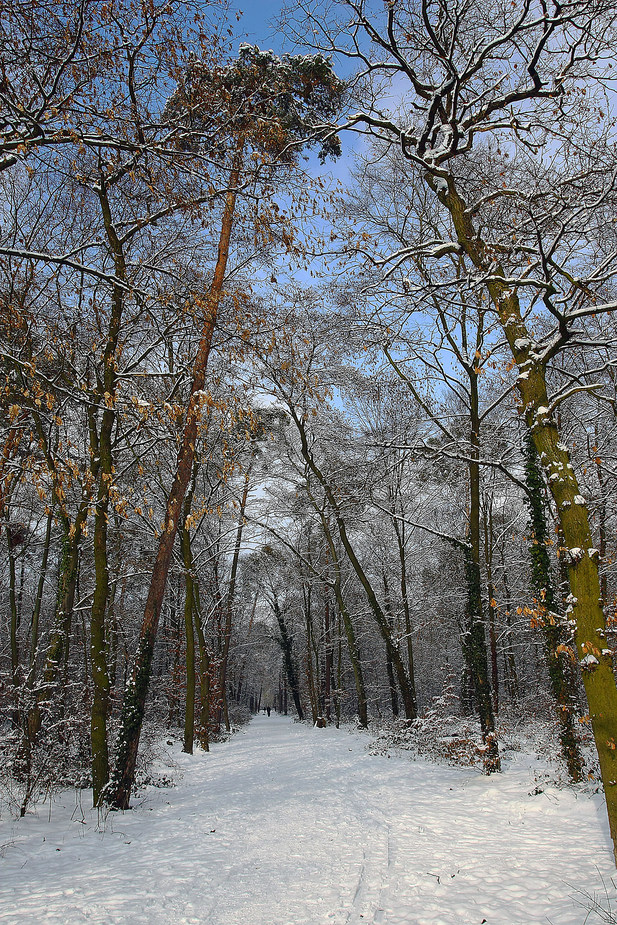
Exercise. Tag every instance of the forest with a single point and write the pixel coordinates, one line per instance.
(309, 380)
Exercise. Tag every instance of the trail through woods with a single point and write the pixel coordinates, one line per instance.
(288, 825)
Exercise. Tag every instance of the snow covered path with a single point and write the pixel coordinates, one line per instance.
(287, 825)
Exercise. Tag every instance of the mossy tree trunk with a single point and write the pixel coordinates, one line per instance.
(490, 589)
(59, 640)
(474, 637)
(204, 672)
(557, 635)
(101, 446)
(585, 609)
(189, 633)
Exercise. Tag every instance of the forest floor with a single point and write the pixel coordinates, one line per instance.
(288, 825)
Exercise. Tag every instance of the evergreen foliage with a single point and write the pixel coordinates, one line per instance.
(281, 104)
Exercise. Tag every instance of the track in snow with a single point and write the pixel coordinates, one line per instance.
(287, 825)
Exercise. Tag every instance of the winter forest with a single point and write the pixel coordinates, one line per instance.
(308, 382)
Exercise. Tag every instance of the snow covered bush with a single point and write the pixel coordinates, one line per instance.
(60, 760)
(452, 739)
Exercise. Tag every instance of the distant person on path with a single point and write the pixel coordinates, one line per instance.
(268, 699)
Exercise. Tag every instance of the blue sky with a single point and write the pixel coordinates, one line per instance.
(254, 25)
(258, 26)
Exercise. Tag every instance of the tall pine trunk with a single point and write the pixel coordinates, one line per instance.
(133, 709)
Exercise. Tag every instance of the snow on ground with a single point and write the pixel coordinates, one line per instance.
(288, 825)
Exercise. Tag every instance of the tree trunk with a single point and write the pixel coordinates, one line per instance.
(328, 665)
(352, 648)
(310, 674)
(339, 673)
(350, 633)
(474, 639)
(38, 601)
(389, 668)
(474, 652)
(98, 653)
(399, 530)
(510, 673)
(58, 646)
(556, 633)
(230, 597)
(13, 622)
(585, 608)
(408, 695)
(490, 588)
(189, 607)
(101, 447)
(68, 569)
(98, 636)
(289, 667)
(204, 673)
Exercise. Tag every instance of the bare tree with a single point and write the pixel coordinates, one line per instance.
(504, 118)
